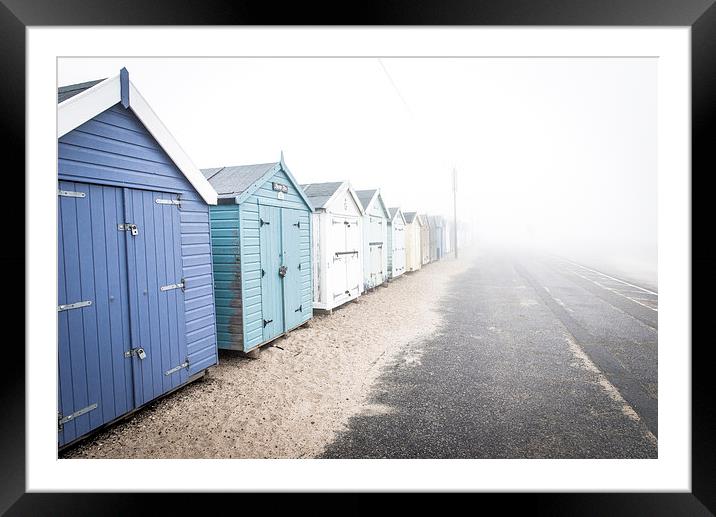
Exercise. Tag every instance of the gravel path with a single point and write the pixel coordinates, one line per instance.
(293, 400)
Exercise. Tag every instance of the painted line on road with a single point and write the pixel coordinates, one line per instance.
(608, 387)
(611, 277)
(615, 291)
(623, 380)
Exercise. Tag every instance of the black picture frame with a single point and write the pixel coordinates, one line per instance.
(700, 15)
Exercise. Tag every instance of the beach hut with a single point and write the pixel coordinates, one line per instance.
(425, 239)
(135, 314)
(337, 244)
(436, 237)
(413, 227)
(375, 238)
(447, 237)
(396, 243)
(261, 240)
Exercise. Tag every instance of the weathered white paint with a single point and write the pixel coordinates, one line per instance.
(413, 259)
(337, 250)
(396, 258)
(375, 242)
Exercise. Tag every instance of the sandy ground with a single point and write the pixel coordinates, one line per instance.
(290, 402)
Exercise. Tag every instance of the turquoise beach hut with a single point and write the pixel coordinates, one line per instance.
(261, 243)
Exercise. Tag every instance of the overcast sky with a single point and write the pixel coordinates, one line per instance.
(549, 151)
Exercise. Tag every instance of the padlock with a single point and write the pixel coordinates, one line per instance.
(141, 353)
(133, 229)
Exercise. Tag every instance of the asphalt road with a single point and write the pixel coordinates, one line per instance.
(538, 357)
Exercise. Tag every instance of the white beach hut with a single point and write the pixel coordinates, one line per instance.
(413, 226)
(375, 237)
(337, 244)
(396, 243)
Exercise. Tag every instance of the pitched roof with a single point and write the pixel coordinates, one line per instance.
(409, 216)
(65, 92)
(365, 196)
(393, 211)
(436, 221)
(232, 181)
(79, 103)
(320, 193)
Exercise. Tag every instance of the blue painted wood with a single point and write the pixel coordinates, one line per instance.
(271, 283)
(291, 259)
(155, 256)
(124, 86)
(106, 154)
(91, 339)
(242, 248)
(114, 148)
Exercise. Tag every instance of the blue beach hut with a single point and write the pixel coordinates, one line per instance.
(135, 286)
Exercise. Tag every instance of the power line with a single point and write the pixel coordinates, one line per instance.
(395, 86)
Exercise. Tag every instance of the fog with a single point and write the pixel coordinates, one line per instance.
(552, 154)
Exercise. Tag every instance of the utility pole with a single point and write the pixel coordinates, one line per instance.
(454, 208)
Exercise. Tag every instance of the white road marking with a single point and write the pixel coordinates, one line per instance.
(615, 292)
(611, 277)
(611, 390)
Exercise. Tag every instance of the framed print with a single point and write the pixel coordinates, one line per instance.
(420, 253)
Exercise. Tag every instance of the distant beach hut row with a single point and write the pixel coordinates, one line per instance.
(160, 264)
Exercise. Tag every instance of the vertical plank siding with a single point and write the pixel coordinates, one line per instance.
(114, 158)
(240, 246)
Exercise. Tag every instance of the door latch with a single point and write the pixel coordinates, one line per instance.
(282, 271)
(139, 352)
(130, 227)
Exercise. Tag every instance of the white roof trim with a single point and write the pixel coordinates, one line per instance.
(375, 197)
(86, 105)
(80, 108)
(345, 186)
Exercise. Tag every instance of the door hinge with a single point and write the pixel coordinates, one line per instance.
(266, 322)
(185, 364)
(70, 193)
(181, 284)
(300, 308)
(64, 419)
(128, 227)
(299, 266)
(75, 305)
(263, 272)
(263, 222)
(298, 224)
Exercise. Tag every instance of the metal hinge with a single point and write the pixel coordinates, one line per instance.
(300, 308)
(263, 273)
(168, 202)
(70, 193)
(298, 224)
(169, 287)
(266, 322)
(185, 364)
(299, 266)
(263, 222)
(75, 305)
(63, 420)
